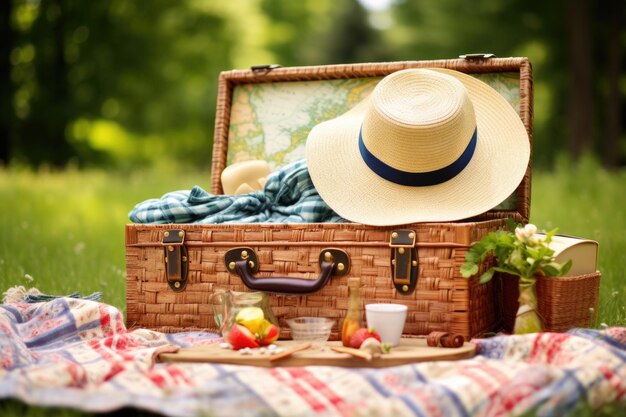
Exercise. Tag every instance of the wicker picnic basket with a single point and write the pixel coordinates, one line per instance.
(563, 302)
(173, 269)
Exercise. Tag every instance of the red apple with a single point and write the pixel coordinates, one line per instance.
(268, 333)
(240, 337)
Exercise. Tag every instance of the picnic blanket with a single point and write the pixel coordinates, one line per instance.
(78, 353)
(287, 197)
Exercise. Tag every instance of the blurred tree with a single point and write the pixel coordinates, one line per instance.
(580, 106)
(293, 25)
(6, 86)
(351, 37)
(318, 32)
(132, 83)
(615, 65)
(50, 110)
(115, 79)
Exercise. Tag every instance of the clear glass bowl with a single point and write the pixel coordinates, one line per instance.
(315, 329)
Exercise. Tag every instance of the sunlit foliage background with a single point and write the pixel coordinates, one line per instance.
(121, 83)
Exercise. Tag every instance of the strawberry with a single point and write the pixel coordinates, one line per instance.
(240, 337)
(268, 333)
(360, 335)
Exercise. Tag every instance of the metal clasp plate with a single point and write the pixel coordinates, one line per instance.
(403, 260)
(475, 57)
(176, 259)
(402, 239)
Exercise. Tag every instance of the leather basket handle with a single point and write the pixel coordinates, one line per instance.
(243, 262)
(284, 285)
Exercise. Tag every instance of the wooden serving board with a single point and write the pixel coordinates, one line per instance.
(410, 350)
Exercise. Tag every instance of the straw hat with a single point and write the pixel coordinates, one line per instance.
(426, 145)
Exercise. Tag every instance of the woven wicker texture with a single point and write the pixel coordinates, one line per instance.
(564, 302)
(442, 301)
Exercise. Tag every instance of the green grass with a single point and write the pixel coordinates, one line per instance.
(64, 231)
(585, 200)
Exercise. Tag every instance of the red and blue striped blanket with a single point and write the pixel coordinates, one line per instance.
(78, 353)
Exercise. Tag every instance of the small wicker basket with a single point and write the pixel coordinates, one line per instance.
(564, 302)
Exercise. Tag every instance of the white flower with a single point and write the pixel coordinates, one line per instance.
(527, 233)
(530, 229)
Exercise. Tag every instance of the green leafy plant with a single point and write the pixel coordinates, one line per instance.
(523, 253)
(519, 252)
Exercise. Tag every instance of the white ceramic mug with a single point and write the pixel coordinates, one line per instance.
(388, 320)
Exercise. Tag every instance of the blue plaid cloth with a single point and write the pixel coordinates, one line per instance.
(288, 197)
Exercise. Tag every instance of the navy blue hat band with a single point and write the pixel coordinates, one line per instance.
(418, 179)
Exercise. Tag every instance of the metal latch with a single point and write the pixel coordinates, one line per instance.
(176, 259)
(476, 57)
(264, 69)
(404, 263)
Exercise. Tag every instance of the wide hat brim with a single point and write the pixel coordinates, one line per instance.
(356, 193)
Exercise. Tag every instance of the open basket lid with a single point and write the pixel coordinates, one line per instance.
(267, 112)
